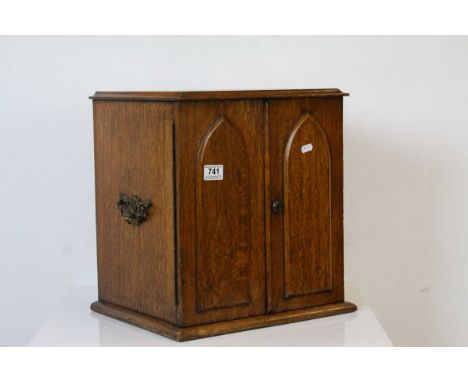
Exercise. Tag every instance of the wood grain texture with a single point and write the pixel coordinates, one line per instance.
(268, 254)
(306, 265)
(221, 223)
(212, 257)
(207, 330)
(307, 210)
(133, 154)
(223, 220)
(218, 95)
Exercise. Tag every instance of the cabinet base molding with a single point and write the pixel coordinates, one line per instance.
(207, 330)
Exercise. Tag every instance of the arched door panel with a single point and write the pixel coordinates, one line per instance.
(305, 251)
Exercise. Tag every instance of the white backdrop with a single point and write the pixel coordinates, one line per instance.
(406, 160)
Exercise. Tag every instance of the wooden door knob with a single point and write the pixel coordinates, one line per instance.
(275, 206)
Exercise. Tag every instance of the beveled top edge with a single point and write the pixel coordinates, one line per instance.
(216, 95)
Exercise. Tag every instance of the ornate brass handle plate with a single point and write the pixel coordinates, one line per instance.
(133, 210)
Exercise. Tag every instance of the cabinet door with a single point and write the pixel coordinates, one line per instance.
(305, 211)
(220, 210)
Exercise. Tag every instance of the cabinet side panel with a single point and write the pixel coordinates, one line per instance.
(133, 155)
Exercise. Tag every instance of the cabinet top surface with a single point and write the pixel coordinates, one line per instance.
(216, 95)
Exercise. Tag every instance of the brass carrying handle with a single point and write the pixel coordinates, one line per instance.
(132, 209)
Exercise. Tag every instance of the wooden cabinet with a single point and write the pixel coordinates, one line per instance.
(219, 211)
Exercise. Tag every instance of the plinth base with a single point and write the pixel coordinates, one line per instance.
(207, 330)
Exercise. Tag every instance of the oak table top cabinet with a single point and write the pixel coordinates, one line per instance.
(219, 211)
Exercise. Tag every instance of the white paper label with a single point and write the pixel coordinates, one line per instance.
(213, 172)
(306, 148)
